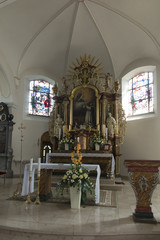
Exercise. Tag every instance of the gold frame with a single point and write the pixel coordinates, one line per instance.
(97, 104)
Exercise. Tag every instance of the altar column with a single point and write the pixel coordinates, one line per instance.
(103, 127)
(65, 127)
(143, 177)
(117, 137)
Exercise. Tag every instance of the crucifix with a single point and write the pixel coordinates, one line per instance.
(21, 128)
(19, 185)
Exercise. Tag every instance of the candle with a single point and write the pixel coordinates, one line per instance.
(39, 166)
(30, 168)
(106, 133)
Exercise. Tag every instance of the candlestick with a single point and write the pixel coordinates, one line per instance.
(30, 167)
(106, 133)
(39, 166)
(37, 201)
(28, 198)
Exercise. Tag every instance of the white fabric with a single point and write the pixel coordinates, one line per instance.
(97, 155)
(63, 166)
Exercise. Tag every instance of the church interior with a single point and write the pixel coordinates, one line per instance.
(79, 95)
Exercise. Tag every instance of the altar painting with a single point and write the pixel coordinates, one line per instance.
(84, 108)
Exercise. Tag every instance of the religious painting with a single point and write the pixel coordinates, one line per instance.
(84, 108)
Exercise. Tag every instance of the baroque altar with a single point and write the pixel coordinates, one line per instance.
(87, 110)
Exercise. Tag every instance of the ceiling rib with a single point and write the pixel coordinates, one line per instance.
(38, 32)
(99, 31)
(133, 21)
(70, 38)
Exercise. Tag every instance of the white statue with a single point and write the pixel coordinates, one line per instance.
(88, 115)
(111, 125)
(59, 126)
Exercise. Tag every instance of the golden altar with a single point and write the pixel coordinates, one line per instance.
(87, 109)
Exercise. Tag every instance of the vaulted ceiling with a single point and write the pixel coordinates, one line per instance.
(48, 35)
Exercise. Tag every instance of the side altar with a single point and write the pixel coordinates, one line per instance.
(88, 111)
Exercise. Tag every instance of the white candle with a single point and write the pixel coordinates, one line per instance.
(39, 166)
(30, 168)
(106, 133)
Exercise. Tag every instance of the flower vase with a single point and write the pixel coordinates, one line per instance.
(97, 147)
(75, 197)
(66, 146)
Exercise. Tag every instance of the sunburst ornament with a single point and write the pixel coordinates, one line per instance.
(85, 69)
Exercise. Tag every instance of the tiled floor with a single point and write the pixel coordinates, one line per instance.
(58, 221)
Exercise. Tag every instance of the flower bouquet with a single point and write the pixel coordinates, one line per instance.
(77, 176)
(67, 140)
(97, 140)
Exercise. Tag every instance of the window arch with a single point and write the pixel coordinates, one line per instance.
(138, 92)
(40, 98)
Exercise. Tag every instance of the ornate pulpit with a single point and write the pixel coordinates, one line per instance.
(143, 177)
(87, 109)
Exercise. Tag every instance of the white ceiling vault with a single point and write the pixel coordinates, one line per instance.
(48, 35)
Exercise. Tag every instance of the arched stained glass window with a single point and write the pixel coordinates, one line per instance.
(40, 98)
(140, 94)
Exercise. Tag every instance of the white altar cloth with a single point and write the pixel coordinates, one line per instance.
(98, 155)
(63, 166)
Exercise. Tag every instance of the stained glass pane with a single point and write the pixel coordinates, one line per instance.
(150, 77)
(151, 105)
(140, 94)
(130, 84)
(141, 107)
(40, 98)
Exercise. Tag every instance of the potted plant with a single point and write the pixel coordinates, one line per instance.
(67, 142)
(77, 179)
(97, 141)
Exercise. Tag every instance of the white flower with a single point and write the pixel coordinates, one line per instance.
(74, 176)
(80, 170)
(64, 177)
(85, 175)
(81, 176)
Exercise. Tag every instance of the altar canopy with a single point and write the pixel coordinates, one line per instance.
(87, 110)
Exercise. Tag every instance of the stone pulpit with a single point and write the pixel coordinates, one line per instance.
(143, 177)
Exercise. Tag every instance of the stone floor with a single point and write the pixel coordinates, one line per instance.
(20, 221)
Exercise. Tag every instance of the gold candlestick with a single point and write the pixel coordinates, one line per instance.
(28, 198)
(37, 201)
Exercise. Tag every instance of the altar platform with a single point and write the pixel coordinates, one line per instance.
(57, 221)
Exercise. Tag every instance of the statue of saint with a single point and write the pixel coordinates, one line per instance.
(59, 126)
(111, 125)
(88, 114)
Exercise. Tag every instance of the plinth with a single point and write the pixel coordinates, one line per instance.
(143, 177)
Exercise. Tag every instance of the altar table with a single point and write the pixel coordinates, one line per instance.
(54, 166)
(88, 158)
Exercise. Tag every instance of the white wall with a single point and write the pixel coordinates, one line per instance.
(142, 139)
(35, 127)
